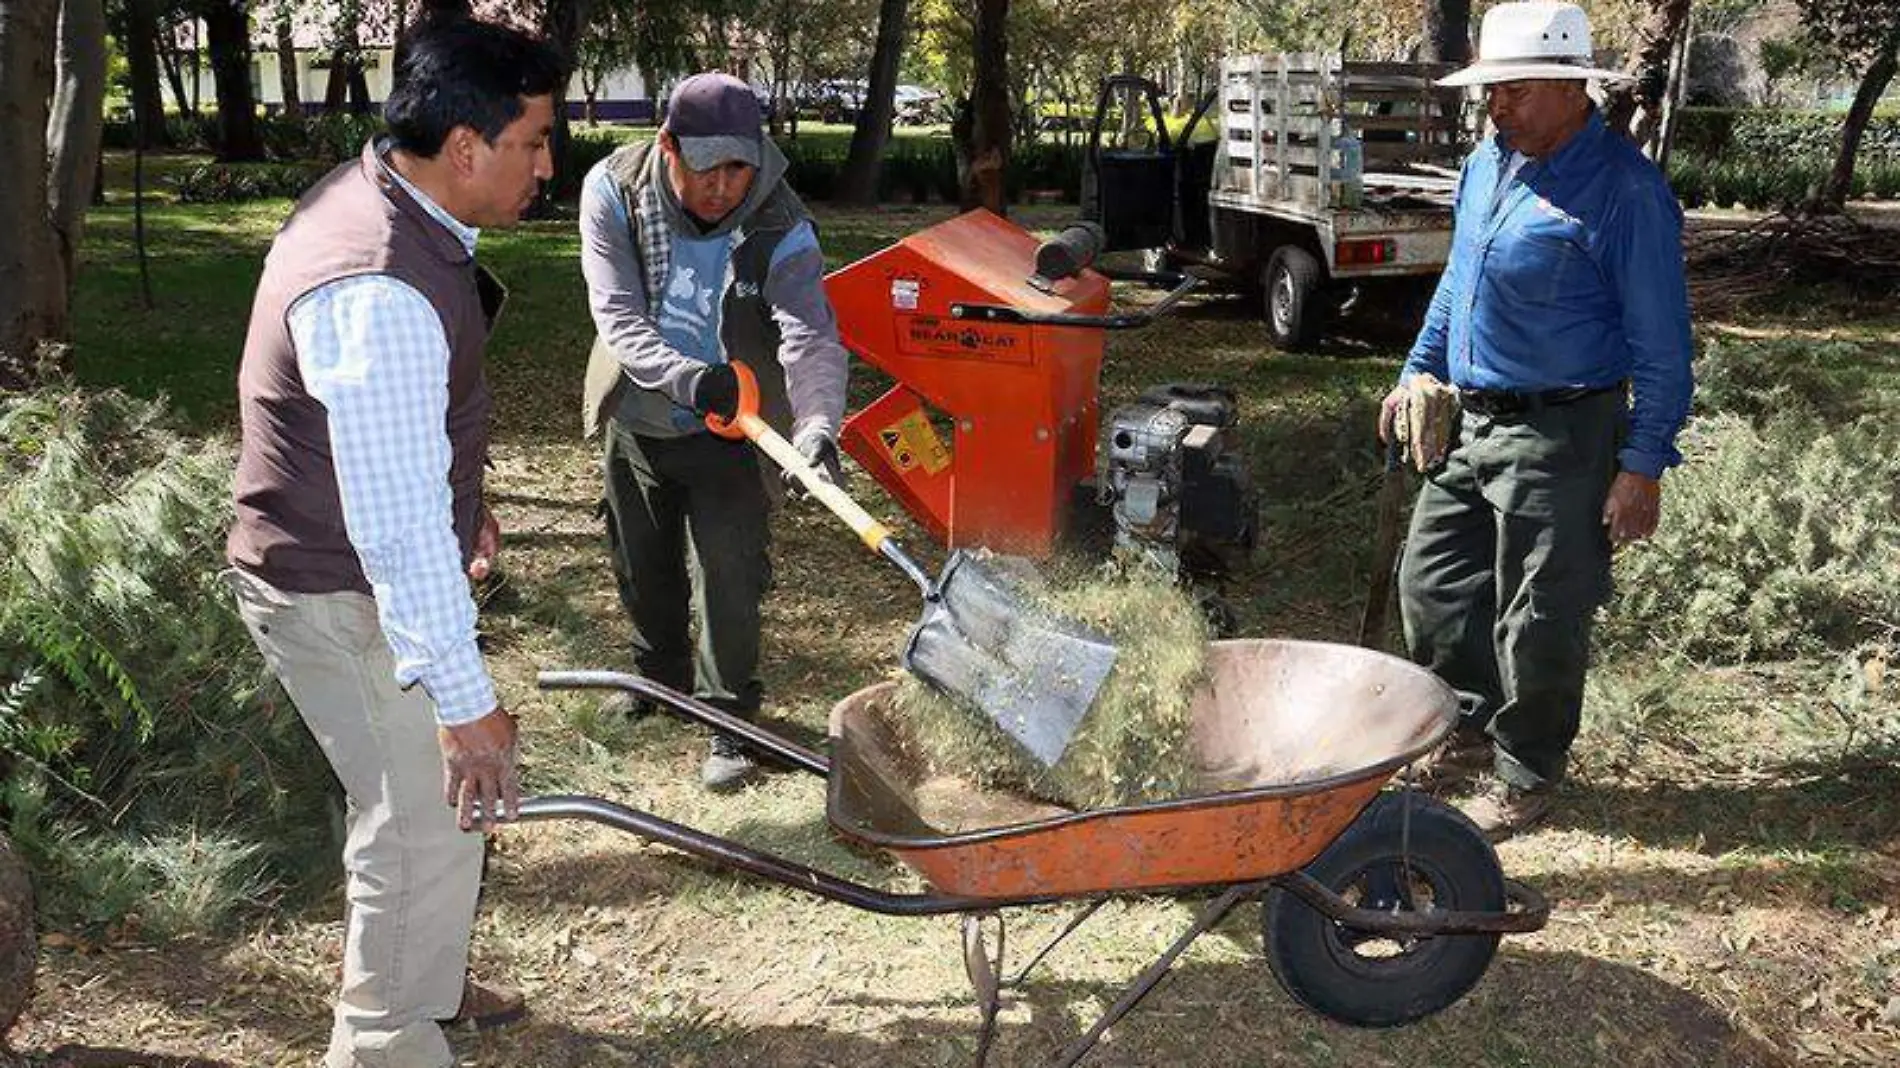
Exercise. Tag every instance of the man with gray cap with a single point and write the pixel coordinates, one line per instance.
(1562, 323)
(697, 254)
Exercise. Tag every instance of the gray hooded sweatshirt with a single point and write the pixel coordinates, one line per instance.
(670, 299)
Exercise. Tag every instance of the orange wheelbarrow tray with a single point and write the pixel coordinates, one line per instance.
(1379, 907)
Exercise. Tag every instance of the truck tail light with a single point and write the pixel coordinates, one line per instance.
(1365, 253)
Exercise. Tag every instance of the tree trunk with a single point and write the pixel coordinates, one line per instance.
(74, 124)
(32, 280)
(174, 64)
(141, 57)
(228, 35)
(858, 184)
(289, 84)
(1663, 137)
(1447, 31)
(1831, 198)
(19, 951)
(561, 24)
(336, 86)
(990, 130)
(1636, 107)
(360, 103)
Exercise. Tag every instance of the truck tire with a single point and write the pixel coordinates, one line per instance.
(1291, 301)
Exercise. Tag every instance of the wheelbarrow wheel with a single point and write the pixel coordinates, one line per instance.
(1370, 980)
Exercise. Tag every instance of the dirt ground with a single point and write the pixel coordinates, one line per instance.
(1730, 903)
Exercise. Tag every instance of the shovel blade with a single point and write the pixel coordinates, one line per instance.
(1034, 676)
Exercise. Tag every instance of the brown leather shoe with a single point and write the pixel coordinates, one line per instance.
(488, 1005)
(1460, 756)
(1502, 810)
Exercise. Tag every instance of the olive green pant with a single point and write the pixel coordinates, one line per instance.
(1505, 565)
(688, 524)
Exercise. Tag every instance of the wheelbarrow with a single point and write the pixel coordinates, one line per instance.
(1379, 907)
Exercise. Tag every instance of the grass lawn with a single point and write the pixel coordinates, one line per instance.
(1724, 880)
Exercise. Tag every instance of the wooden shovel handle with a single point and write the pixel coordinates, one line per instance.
(747, 423)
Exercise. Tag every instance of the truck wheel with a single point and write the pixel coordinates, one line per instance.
(1412, 854)
(1292, 305)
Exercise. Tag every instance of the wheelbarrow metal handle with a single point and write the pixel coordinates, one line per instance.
(691, 708)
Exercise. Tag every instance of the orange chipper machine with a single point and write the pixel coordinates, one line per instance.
(980, 324)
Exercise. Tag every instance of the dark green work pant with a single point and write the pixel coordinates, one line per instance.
(1505, 565)
(688, 525)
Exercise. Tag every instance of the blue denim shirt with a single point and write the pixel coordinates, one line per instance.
(1570, 276)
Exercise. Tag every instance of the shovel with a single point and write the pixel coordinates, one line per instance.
(1034, 676)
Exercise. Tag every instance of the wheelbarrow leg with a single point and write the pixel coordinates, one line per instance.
(1080, 918)
(1213, 914)
(983, 972)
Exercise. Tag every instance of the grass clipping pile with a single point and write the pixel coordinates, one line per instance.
(1134, 745)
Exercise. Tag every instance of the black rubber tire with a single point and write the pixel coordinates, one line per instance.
(1369, 981)
(1290, 299)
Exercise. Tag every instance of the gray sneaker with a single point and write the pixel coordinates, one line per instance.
(728, 767)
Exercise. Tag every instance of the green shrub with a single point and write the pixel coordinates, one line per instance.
(1777, 541)
(137, 723)
(1806, 137)
(223, 183)
(1690, 180)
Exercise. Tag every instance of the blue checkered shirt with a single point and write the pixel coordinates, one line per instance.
(373, 352)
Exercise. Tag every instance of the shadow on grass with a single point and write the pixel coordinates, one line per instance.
(1553, 1010)
(1808, 806)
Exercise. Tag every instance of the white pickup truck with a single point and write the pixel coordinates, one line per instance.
(1322, 182)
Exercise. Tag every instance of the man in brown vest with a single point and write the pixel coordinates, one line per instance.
(360, 516)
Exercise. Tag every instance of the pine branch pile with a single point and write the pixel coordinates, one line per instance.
(134, 711)
(1731, 267)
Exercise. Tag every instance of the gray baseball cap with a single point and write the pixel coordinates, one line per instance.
(715, 118)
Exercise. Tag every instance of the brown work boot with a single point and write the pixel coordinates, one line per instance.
(1463, 754)
(489, 1005)
(1501, 810)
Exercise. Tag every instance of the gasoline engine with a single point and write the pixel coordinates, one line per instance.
(1180, 495)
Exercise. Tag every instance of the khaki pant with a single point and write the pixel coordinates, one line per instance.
(413, 874)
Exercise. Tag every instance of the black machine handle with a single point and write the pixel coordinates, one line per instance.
(1066, 255)
(1003, 313)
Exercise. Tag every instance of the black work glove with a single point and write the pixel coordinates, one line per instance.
(822, 453)
(717, 392)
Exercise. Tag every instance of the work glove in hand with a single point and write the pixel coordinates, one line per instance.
(822, 454)
(717, 392)
(1426, 419)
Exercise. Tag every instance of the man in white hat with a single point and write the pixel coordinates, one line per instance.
(1562, 323)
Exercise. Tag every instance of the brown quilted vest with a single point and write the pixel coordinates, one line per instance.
(358, 220)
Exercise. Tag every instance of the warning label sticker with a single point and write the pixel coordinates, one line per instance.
(927, 335)
(912, 442)
(904, 293)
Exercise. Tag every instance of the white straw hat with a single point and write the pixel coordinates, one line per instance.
(1533, 40)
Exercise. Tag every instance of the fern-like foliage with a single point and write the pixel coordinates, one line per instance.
(135, 707)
